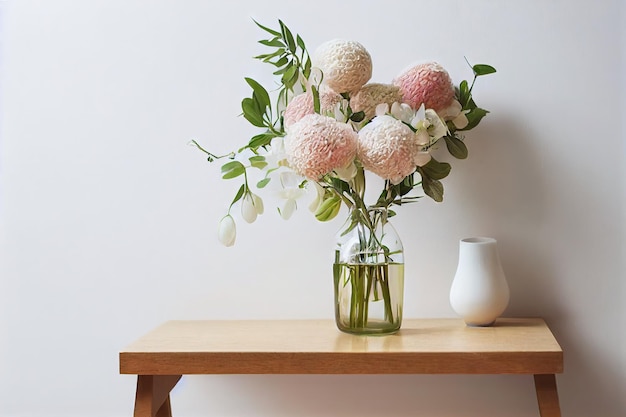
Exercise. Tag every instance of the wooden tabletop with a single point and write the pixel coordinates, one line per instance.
(422, 346)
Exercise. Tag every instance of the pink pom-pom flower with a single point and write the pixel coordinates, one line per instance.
(387, 147)
(316, 145)
(428, 84)
(302, 104)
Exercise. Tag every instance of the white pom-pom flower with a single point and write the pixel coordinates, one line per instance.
(372, 95)
(346, 65)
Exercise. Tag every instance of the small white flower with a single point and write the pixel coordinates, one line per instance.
(347, 173)
(226, 231)
(319, 197)
(419, 120)
(290, 192)
(248, 209)
(403, 112)
(288, 209)
(451, 111)
(421, 158)
(338, 112)
(455, 113)
(422, 137)
(276, 156)
(437, 128)
(382, 109)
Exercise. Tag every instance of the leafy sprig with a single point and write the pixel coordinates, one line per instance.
(291, 61)
(434, 171)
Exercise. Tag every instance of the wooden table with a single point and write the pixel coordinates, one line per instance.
(423, 346)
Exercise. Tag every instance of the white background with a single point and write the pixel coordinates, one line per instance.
(108, 218)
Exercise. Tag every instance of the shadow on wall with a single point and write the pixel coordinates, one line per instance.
(361, 395)
(514, 201)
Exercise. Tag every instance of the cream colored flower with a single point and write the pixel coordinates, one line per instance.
(371, 95)
(346, 65)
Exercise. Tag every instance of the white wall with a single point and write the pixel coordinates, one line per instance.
(108, 218)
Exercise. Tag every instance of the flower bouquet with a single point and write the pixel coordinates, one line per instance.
(325, 129)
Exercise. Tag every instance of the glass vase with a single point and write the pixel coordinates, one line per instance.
(368, 274)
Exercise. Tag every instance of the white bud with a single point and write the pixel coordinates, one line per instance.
(258, 204)
(248, 211)
(227, 232)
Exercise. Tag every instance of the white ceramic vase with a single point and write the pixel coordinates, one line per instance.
(479, 292)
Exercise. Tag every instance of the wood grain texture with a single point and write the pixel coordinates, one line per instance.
(547, 396)
(153, 395)
(423, 346)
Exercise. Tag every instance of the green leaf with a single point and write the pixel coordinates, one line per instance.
(406, 185)
(433, 188)
(300, 42)
(287, 36)
(289, 75)
(456, 147)
(260, 92)
(263, 182)
(474, 117)
(483, 69)
(239, 194)
(267, 57)
(258, 161)
(307, 68)
(435, 170)
(316, 99)
(464, 94)
(282, 61)
(271, 31)
(260, 140)
(232, 169)
(272, 42)
(284, 69)
(251, 112)
(340, 185)
(358, 116)
(329, 209)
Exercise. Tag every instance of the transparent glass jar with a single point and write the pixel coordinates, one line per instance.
(368, 274)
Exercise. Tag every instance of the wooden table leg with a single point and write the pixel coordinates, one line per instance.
(547, 396)
(153, 395)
